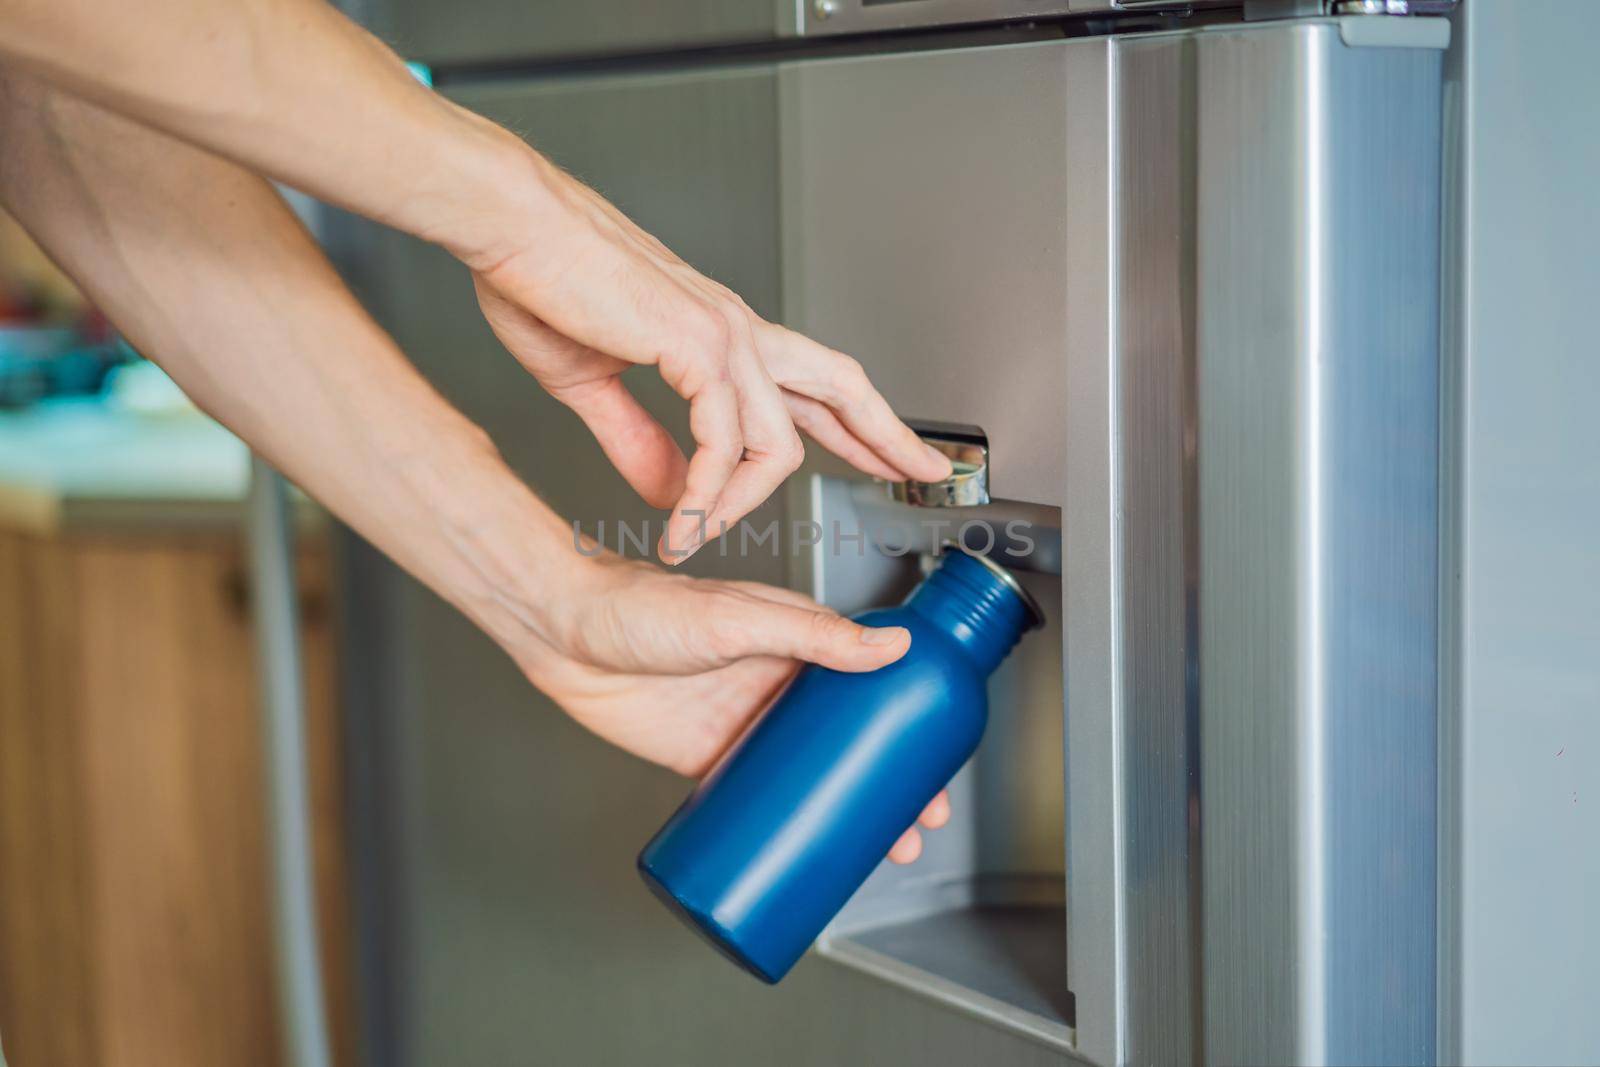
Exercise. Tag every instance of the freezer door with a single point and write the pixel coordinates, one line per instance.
(1187, 284)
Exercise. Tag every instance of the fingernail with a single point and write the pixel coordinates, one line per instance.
(882, 635)
(674, 553)
(938, 456)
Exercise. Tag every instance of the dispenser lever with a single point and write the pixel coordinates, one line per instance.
(968, 484)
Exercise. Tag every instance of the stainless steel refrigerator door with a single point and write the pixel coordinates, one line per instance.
(1317, 349)
(518, 931)
(1188, 286)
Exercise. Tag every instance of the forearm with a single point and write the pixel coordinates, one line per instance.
(295, 90)
(206, 270)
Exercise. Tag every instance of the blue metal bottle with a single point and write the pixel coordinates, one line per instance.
(776, 839)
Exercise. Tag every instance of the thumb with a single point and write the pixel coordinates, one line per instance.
(766, 628)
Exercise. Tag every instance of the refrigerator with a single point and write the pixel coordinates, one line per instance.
(1270, 318)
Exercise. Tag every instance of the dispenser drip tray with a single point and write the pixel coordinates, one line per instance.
(1004, 962)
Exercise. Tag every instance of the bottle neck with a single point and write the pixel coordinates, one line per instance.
(975, 606)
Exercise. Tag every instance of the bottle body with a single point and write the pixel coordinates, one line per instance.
(775, 841)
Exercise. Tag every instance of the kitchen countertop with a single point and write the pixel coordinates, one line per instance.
(83, 464)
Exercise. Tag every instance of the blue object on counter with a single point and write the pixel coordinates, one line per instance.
(776, 839)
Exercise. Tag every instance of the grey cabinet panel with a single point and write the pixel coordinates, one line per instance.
(478, 31)
(520, 932)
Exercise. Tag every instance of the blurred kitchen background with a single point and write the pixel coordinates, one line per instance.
(134, 888)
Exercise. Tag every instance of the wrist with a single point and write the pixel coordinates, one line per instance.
(506, 560)
(481, 199)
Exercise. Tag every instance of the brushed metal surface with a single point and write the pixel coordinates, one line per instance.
(923, 233)
(930, 218)
(516, 929)
(1521, 933)
(1003, 962)
(1250, 547)
(1154, 137)
(1096, 960)
(489, 31)
(1317, 348)
(1131, 552)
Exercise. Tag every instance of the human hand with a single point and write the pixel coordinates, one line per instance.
(673, 668)
(578, 293)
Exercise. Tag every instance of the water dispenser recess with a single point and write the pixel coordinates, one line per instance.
(770, 846)
(978, 922)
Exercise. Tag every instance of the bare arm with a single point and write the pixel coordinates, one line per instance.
(574, 289)
(205, 268)
(290, 88)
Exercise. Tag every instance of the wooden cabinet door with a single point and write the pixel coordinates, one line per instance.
(133, 880)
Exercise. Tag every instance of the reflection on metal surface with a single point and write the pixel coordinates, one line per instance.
(1318, 462)
(1393, 7)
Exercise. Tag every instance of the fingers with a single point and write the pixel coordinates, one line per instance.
(714, 423)
(824, 427)
(617, 293)
(803, 366)
(772, 449)
(589, 383)
(638, 446)
(757, 435)
(937, 813)
(908, 848)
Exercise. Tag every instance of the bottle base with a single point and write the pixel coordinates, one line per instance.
(709, 930)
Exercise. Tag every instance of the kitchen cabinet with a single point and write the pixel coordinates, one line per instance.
(134, 909)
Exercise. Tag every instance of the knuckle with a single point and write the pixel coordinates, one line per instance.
(736, 320)
(732, 303)
(709, 333)
(728, 449)
(790, 454)
(828, 632)
(851, 375)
